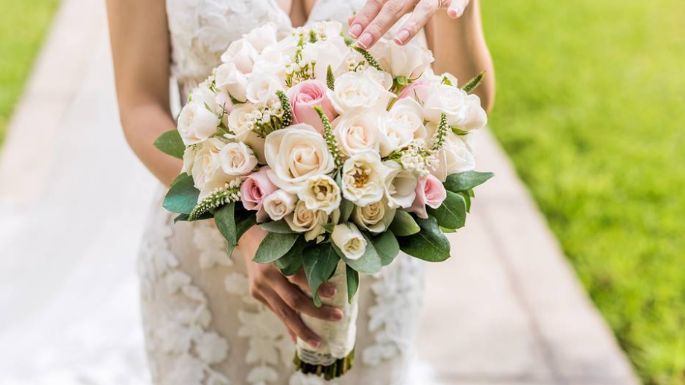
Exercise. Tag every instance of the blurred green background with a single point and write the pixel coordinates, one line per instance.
(591, 108)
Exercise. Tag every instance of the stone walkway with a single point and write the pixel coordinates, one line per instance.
(505, 310)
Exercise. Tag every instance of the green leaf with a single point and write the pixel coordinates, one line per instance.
(430, 244)
(467, 198)
(386, 246)
(225, 221)
(241, 228)
(346, 208)
(292, 261)
(369, 263)
(465, 181)
(352, 282)
(319, 263)
(274, 246)
(404, 224)
(171, 143)
(280, 227)
(452, 213)
(473, 83)
(182, 195)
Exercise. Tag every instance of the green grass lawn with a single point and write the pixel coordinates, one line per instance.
(23, 24)
(591, 107)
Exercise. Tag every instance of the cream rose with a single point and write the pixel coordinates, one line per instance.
(445, 99)
(349, 240)
(475, 116)
(309, 222)
(320, 193)
(196, 123)
(399, 184)
(241, 121)
(262, 87)
(358, 132)
(455, 156)
(279, 204)
(242, 54)
(359, 90)
(203, 163)
(375, 217)
(229, 79)
(362, 178)
(409, 60)
(296, 154)
(402, 124)
(237, 159)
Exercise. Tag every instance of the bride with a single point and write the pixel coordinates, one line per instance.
(214, 320)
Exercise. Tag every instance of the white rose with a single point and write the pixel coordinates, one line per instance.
(349, 240)
(455, 156)
(475, 116)
(330, 52)
(241, 122)
(237, 159)
(196, 123)
(203, 163)
(262, 87)
(320, 193)
(262, 37)
(445, 99)
(375, 217)
(304, 220)
(231, 80)
(382, 78)
(279, 204)
(410, 60)
(203, 94)
(400, 185)
(358, 132)
(358, 90)
(296, 154)
(242, 54)
(362, 177)
(402, 124)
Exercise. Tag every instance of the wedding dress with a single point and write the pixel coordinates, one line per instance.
(201, 325)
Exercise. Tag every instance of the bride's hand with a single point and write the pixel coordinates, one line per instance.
(285, 296)
(378, 16)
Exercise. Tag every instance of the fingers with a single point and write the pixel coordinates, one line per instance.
(326, 290)
(364, 17)
(456, 8)
(422, 13)
(391, 11)
(291, 319)
(300, 302)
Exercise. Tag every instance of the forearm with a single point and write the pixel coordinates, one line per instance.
(143, 123)
(459, 48)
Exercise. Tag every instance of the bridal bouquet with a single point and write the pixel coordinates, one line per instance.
(344, 156)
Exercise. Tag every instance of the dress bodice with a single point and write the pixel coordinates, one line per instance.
(201, 30)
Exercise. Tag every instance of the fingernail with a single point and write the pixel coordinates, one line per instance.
(366, 40)
(314, 343)
(336, 315)
(402, 36)
(328, 291)
(355, 30)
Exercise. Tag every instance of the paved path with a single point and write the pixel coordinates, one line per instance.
(506, 310)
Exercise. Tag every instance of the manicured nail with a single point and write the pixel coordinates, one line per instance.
(366, 40)
(402, 37)
(336, 315)
(314, 343)
(355, 30)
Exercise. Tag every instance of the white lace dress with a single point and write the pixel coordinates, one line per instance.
(201, 325)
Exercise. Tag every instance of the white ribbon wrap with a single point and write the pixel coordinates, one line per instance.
(337, 337)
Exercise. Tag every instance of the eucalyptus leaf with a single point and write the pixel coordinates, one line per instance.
(430, 244)
(452, 213)
(319, 262)
(386, 246)
(404, 224)
(225, 221)
(182, 195)
(291, 262)
(170, 143)
(280, 227)
(465, 181)
(467, 198)
(369, 263)
(352, 282)
(346, 208)
(274, 246)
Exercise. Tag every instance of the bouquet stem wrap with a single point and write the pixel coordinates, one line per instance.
(335, 354)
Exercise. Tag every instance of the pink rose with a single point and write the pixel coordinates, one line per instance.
(429, 192)
(304, 97)
(254, 189)
(417, 90)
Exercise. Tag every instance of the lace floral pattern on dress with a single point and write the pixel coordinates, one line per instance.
(180, 328)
